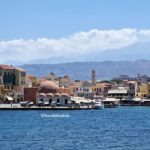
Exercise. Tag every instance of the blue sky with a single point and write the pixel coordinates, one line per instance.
(60, 18)
(57, 19)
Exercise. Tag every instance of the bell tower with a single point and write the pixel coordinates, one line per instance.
(93, 77)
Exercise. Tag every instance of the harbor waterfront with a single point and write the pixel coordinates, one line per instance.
(125, 128)
(77, 103)
(18, 90)
(18, 107)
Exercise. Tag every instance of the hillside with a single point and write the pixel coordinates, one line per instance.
(82, 70)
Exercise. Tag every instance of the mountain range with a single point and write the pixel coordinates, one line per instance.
(82, 70)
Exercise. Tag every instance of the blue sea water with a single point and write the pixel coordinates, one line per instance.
(123, 128)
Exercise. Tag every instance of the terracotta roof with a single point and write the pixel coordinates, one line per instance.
(6, 67)
(20, 69)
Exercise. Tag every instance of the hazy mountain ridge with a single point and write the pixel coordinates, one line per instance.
(82, 70)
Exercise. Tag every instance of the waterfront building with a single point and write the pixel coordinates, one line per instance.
(143, 78)
(64, 81)
(132, 86)
(7, 76)
(20, 83)
(12, 76)
(20, 76)
(18, 92)
(30, 94)
(1, 79)
(49, 92)
(48, 87)
(2, 88)
(65, 90)
(84, 90)
(120, 93)
(143, 90)
(31, 81)
(74, 86)
(101, 89)
(12, 81)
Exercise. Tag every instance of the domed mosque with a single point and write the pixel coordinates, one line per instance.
(48, 87)
(49, 92)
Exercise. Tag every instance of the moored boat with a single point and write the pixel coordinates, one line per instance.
(110, 102)
(145, 102)
(98, 105)
(131, 101)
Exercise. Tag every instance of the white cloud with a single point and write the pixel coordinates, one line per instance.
(76, 44)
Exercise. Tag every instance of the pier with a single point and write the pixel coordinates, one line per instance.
(18, 107)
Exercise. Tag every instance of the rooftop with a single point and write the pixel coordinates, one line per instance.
(20, 69)
(6, 67)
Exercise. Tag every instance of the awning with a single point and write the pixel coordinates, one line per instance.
(110, 99)
(79, 100)
(137, 99)
(9, 98)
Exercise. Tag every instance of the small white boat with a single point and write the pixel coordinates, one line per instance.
(145, 102)
(110, 102)
(98, 105)
(24, 103)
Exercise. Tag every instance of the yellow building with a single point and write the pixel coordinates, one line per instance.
(51, 76)
(64, 81)
(20, 77)
(20, 83)
(144, 90)
(101, 88)
(2, 88)
(32, 81)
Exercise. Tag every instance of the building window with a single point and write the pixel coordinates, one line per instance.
(66, 101)
(50, 100)
(23, 74)
(58, 100)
